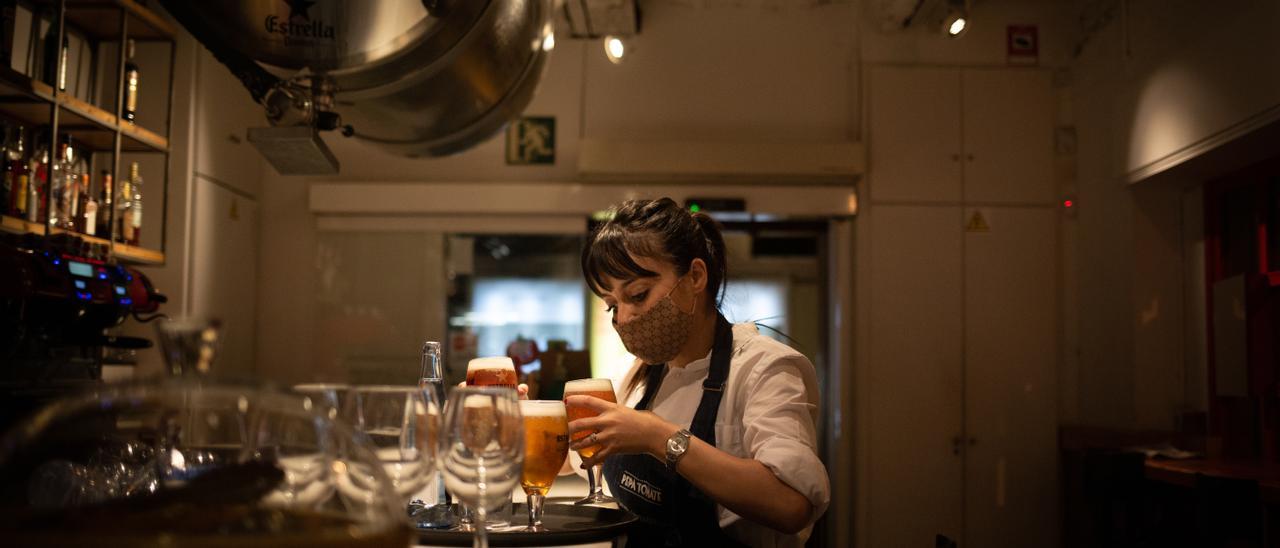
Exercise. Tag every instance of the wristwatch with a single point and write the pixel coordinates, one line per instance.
(677, 444)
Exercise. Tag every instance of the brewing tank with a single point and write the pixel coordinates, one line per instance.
(414, 77)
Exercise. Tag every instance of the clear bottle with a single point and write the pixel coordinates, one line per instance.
(131, 75)
(106, 199)
(61, 190)
(89, 220)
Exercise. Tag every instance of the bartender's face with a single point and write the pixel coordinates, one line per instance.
(628, 298)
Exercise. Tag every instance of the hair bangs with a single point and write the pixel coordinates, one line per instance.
(610, 254)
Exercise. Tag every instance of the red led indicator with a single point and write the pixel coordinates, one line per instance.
(1068, 203)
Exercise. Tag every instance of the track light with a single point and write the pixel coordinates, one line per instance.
(614, 49)
(957, 20)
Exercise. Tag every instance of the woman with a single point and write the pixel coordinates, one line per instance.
(717, 422)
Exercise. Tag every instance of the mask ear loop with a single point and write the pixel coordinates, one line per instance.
(673, 290)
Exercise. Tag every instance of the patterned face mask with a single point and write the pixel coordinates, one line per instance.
(657, 335)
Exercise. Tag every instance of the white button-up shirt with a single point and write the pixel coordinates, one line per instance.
(769, 413)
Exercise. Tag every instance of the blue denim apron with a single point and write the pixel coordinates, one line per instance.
(672, 512)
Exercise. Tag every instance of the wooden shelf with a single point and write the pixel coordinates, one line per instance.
(27, 101)
(15, 225)
(101, 20)
(87, 238)
(138, 255)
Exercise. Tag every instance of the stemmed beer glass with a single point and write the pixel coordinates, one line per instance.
(481, 450)
(546, 443)
(603, 389)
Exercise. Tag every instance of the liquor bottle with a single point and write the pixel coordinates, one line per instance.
(54, 71)
(105, 201)
(38, 184)
(79, 169)
(15, 164)
(60, 190)
(6, 184)
(89, 222)
(131, 86)
(131, 207)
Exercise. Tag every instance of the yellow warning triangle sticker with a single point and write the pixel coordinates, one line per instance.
(977, 223)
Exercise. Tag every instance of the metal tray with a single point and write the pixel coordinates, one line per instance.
(565, 524)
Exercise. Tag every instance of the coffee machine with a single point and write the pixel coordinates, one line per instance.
(59, 296)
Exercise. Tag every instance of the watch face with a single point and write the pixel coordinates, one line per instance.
(677, 444)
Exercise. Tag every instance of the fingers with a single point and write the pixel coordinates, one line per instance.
(588, 423)
(597, 458)
(590, 402)
(595, 438)
(523, 391)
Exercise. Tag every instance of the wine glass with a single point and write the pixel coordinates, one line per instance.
(493, 371)
(481, 450)
(189, 345)
(546, 444)
(400, 425)
(603, 389)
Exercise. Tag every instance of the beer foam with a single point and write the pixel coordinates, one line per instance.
(542, 408)
(476, 401)
(589, 385)
(495, 362)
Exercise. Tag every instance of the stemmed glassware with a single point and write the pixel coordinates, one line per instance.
(546, 443)
(481, 450)
(603, 389)
(401, 425)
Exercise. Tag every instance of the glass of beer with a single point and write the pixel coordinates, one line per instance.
(495, 371)
(546, 444)
(599, 388)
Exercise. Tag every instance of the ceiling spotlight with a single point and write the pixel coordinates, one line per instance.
(548, 37)
(957, 20)
(614, 49)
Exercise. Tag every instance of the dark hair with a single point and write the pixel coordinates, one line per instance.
(656, 229)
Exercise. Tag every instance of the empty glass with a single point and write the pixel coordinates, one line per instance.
(189, 345)
(482, 450)
(400, 425)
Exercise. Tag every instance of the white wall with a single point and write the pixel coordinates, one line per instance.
(1155, 86)
(210, 265)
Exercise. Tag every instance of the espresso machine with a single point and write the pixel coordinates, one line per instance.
(59, 296)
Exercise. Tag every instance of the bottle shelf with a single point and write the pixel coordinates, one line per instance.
(25, 100)
(123, 252)
(137, 255)
(33, 103)
(14, 225)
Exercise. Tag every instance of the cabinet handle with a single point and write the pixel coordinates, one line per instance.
(955, 157)
(957, 443)
(970, 157)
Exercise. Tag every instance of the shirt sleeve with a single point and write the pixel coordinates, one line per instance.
(779, 426)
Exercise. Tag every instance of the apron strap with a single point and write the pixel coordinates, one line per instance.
(704, 419)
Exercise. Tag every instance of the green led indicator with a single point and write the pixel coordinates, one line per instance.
(695, 208)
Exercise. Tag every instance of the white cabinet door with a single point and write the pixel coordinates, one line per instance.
(914, 476)
(225, 111)
(1008, 136)
(914, 134)
(1011, 349)
(224, 271)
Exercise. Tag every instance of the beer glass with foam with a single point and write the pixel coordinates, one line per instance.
(599, 388)
(546, 444)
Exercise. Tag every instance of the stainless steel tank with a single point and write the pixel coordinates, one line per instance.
(415, 77)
